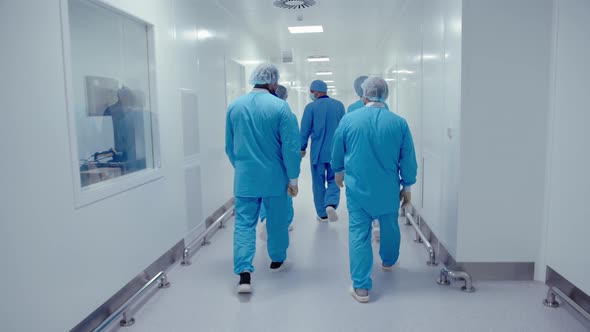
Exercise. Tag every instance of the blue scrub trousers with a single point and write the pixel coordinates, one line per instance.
(247, 211)
(324, 196)
(360, 249)
(290, 212)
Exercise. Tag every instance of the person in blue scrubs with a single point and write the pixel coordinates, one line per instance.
(359, 91)
(282, 93)
(374, 154)
(262, 144)
(320, 120)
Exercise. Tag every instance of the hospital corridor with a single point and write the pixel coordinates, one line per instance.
(294, 165)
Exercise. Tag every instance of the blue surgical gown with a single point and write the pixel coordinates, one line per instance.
(262, 143)
(374, 148)
(320, 120)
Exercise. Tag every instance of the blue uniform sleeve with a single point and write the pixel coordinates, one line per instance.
(290, 144)
(229, 139)
(408, 167)
(306, 124)
(339, 148)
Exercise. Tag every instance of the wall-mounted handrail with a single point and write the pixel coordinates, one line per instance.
(423, 239)
(124, 309)
(203, 240)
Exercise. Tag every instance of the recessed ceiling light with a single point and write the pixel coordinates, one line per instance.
(204, 34)
(331, 87)
(318, 59)
(328, 81)
(390, 79)
(250, 62)
(323, 73)
(307, 29)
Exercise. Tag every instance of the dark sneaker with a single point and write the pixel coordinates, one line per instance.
(245, 286)
(277, 266)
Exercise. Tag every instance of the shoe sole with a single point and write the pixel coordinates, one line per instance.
(332, 214)
(360, 299)
(244, 289)
(322, 220)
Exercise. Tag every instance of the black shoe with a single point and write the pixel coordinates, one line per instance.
(244, 287)
(277, 266)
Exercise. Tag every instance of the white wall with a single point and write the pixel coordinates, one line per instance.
(505, 82)
(64, 262)
(424, 61)
(568, 186)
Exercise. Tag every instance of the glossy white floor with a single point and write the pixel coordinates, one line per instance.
(312, 294)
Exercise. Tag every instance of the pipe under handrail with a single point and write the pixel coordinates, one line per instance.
(123, 310)
(422, 237)
(202, 239)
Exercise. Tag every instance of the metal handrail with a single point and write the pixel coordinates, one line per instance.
(123, 310)
(422, 238)
(202, 240)
(445, 274)
(551, 302)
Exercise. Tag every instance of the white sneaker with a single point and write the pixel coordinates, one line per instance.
(321, 219)
(244, 289)
(387, 268)
(245, 284)
(361, 295)
(332, 215)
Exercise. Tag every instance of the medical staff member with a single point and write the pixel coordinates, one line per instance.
(262, 144)
(282, 93)
(359, 91)
(374, 154)
(320, 120)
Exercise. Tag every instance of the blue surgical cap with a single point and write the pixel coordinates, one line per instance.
(357, 85)
(265, 73)
(281, 92)
(375, 89)
(319, 86)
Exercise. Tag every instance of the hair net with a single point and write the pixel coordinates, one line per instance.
(265, 73)
(375, 89)
(357, 85)
(319, 86)
(281, 92)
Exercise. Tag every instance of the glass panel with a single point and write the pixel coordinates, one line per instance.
(111, 82)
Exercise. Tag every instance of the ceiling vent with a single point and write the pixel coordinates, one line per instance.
(294, 4)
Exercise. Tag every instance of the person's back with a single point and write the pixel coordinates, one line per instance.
(262, 144)
(377, 142)
(355, 106)
(373, 154)
(321, 118)
(257, 143)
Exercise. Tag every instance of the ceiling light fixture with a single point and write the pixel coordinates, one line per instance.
(318, 59)
(328, 81)
(249, 62)
(323, 73)
(331, 87)
(204, 34)
(306, 29)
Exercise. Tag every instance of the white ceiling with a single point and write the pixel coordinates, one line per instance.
(354, 34)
